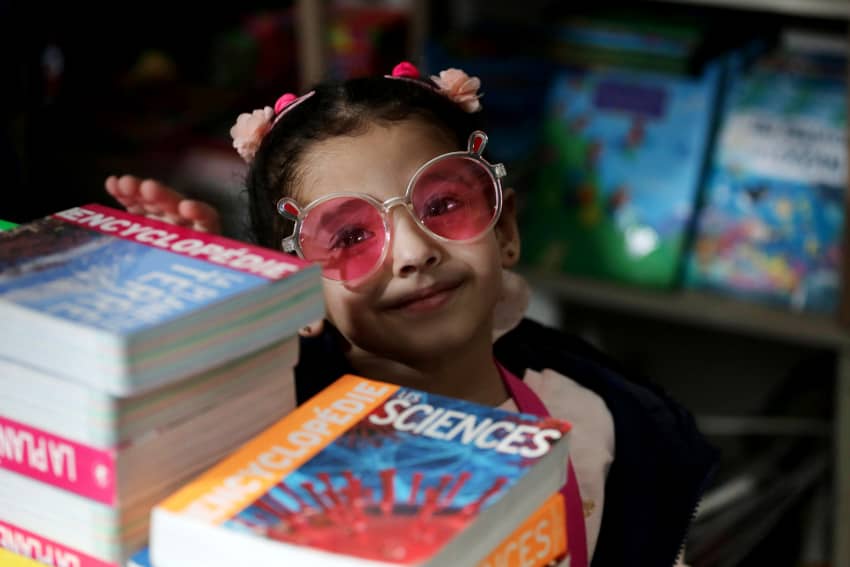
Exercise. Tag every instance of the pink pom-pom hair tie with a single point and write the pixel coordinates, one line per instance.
(251, 128)
(406, 69)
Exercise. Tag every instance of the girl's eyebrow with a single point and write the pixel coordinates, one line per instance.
(352, 204)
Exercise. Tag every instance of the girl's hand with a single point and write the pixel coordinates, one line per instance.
(151, 198)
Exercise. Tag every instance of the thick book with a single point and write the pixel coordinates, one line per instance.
(367, 473)
(124, 303)
(97, 419)
(539, 541)
(97, 500)
(120, 474)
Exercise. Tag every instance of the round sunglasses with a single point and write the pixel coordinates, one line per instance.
(453, 197)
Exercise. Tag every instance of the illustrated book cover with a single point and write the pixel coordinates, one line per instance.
(770, 225)
(619, 175)
(367, 473)
(124, 303)
(539, 542)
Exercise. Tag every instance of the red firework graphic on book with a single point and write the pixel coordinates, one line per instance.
(350, 519)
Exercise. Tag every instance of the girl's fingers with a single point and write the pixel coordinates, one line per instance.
(203, 216)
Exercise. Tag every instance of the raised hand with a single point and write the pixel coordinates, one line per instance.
(151, 198)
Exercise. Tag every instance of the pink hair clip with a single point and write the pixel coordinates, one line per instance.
(250, 128)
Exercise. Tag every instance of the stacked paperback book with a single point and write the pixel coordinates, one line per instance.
(134, 354)
(368, 473)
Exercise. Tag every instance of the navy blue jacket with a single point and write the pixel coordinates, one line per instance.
(662, 464)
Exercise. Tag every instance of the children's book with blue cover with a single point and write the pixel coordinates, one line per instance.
(630, 38)
(367, 473)
(141, 558)
(620, 168)
(773, 214)
(124, 303)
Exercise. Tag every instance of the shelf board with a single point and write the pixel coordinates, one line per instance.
(695, 307)
(834, 9)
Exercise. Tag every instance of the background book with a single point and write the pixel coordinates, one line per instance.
(770, 225)
(619, 176)
(420, 479)
(128, 303)
(634, 39)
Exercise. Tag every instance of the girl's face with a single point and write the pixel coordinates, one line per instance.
(428, 297)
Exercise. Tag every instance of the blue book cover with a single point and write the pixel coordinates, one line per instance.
(771, 223)
(368, 470)
(126, 302)
(621, 163)
(141, 558)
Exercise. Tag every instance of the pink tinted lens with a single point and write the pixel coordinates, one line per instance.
(345, 235)
(455, 198)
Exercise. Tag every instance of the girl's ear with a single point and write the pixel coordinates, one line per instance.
(507, 230)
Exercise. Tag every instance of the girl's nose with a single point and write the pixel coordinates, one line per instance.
(413, 250)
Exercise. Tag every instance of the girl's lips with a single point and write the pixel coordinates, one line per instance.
(426, 299)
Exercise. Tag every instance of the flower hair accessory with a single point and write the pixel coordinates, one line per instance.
(452, 83)
(459, 87)
(250, 128)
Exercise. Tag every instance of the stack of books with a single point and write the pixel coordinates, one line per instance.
(134, 354)
(370, 473)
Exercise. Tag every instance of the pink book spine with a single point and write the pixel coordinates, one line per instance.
(54, 460)
(45, 551)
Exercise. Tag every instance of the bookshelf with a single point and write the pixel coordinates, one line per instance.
(703, 310)
(698, 308)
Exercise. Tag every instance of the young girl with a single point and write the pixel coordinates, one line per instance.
(383, 182)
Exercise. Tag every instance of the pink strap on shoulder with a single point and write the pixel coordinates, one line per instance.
(529, 402)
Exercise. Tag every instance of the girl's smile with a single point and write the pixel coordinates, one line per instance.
(425, 299)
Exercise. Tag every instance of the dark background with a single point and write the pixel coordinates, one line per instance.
(140, 83)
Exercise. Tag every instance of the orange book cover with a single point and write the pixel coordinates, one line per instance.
(539, 541)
